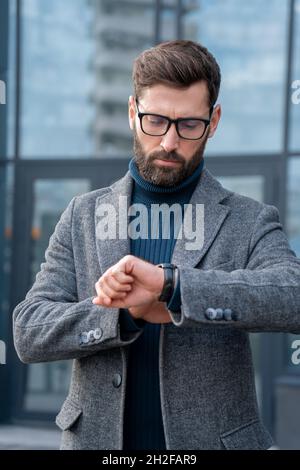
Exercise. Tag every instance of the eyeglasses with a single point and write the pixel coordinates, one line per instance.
(187, 128)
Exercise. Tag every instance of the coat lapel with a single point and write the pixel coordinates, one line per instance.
(210, 193)
(111, 250)
(117, 197)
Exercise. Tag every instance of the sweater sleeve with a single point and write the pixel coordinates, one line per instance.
(128, 324)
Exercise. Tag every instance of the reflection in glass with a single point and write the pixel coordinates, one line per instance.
(77, 62)
(250, 46)
(168, 24)
(250, 186)
(121, 31)
(47, 383)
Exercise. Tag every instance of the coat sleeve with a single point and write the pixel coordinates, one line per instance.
(265, 296)
(51, 324)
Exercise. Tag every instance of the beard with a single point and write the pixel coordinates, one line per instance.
(166, 176)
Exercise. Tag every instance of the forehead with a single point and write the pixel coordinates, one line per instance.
(163, 99)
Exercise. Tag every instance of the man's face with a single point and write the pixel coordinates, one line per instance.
(169, 159)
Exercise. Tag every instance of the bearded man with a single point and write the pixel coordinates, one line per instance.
(158, 326)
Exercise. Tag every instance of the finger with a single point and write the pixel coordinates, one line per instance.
(98, 287)
(117, 286)
(111, 293)
(104, 290)
(122, 277)
(107, 302)
(101, 300)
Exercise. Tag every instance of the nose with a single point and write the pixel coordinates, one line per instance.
(170, 141)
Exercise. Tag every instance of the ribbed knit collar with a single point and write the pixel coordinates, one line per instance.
(151, 190)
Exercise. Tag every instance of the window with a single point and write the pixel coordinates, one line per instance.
(250, 45)
(62, 90)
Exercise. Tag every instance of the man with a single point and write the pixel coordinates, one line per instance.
(158, 325)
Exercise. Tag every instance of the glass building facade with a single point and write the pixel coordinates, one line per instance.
(64, 131)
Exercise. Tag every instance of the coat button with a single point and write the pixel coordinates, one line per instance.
(117, 380)
(227, 314)
(219, 312)
(97, 333)
(91, 336)
(236, 316)
(84, 338)
(211, 314)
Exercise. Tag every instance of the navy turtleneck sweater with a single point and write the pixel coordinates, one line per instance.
(143, 425)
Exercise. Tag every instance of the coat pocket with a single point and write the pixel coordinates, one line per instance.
(68, 415)
(250, 436)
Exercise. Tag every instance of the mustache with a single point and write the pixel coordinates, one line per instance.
(167, 156)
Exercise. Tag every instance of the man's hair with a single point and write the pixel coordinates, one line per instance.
(177, 64)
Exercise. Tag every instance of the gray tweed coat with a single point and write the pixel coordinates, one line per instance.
(206, 374)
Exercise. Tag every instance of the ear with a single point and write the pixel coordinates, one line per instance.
(131, 111)
(215, 119)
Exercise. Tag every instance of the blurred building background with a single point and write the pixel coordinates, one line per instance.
(64, 131)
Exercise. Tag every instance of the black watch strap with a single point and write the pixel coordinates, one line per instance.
(169, 282)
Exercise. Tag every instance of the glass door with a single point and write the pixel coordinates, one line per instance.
(43, 192)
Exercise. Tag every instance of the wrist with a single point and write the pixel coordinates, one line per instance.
(135, 312)
(138, 313)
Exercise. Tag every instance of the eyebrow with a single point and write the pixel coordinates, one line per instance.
(164, 115)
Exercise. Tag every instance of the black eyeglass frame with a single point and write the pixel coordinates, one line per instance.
(175, 121)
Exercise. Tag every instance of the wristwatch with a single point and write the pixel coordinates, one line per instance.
(169, 281)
